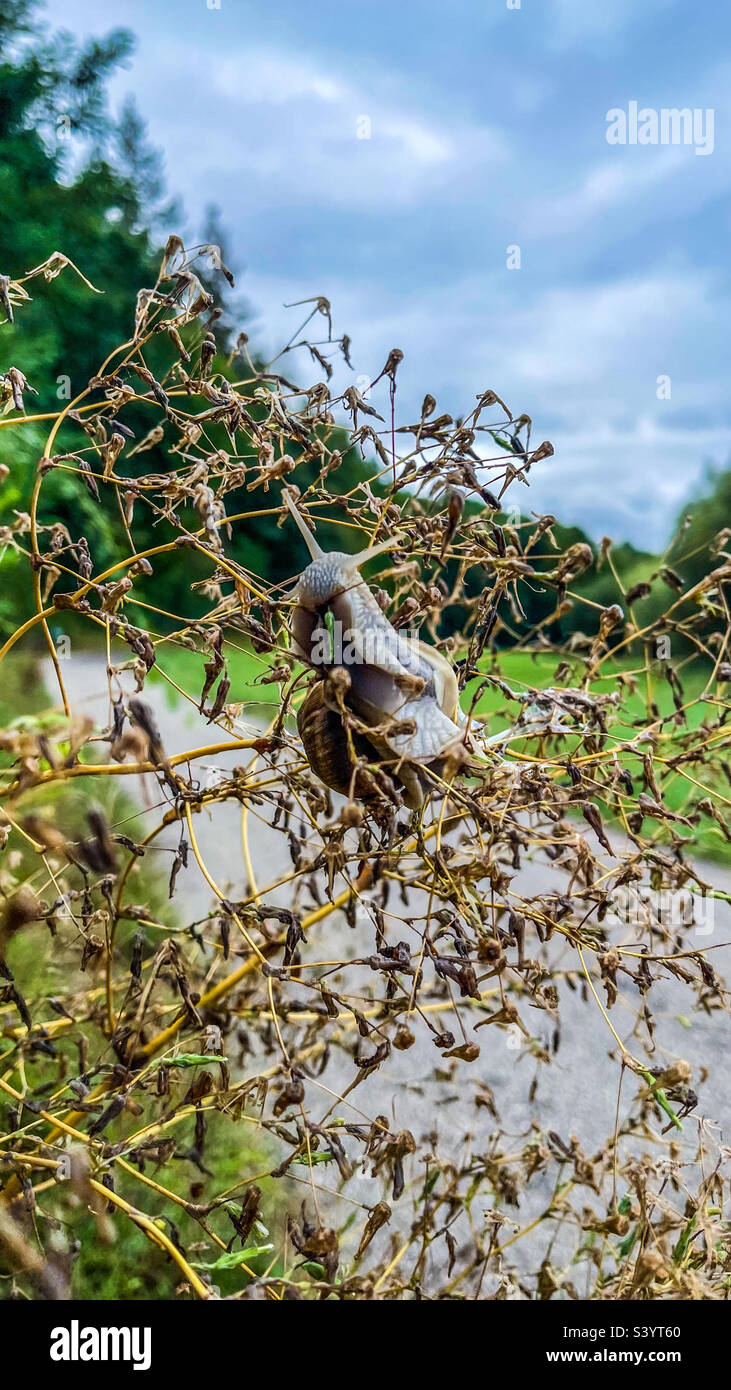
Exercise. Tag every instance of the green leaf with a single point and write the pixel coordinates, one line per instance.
(195, 1059)
(431, 1182)
(330, 625)
(681, 1249)
(662, 1099)
(627, 1243)
(231, 1259)
(512, 446)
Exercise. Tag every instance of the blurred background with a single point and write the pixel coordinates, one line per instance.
(442, 174)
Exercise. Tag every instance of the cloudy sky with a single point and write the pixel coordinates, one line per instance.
(487, 124)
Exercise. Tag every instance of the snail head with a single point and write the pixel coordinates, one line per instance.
(330, 586)
(329, 572)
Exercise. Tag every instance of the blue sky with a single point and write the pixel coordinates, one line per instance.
(487, 130)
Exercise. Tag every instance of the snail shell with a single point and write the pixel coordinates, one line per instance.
(327, 748)
(402, 689)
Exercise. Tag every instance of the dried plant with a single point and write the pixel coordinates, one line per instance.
(544, 861)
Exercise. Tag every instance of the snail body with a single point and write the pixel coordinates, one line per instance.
(404, 692)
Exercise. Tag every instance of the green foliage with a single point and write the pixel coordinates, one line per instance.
(90, 189)
(60, 190)
(126, 1265)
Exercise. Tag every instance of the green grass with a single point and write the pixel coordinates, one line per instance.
(521, 670)
(131, 1267)
(247, 671)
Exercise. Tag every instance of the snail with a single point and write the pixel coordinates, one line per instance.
(403, 693)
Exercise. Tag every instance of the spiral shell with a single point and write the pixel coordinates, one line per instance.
(326, 745)
(335, 757)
